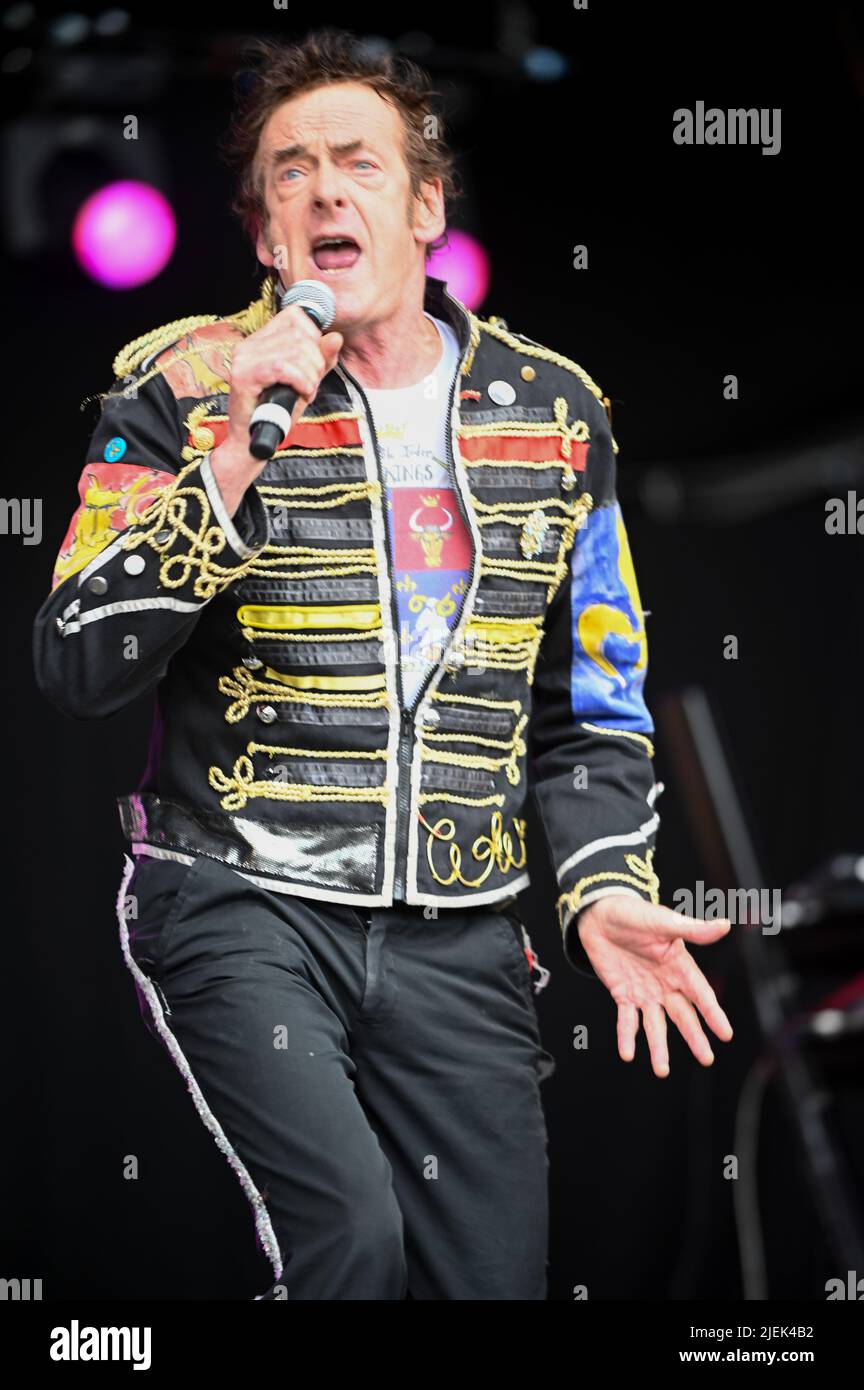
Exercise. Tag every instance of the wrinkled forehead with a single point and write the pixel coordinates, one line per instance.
(328, 117)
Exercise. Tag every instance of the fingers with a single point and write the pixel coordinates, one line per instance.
(684, 1016)
(628, 1027)
(694, 985)
(675, 924)
(655, 1031)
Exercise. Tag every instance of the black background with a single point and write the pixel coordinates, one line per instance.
(703, 261)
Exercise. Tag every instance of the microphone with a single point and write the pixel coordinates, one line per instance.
(271, 418)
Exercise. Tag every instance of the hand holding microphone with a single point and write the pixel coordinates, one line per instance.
(275, 374)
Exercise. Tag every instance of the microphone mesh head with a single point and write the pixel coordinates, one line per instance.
(315, 296)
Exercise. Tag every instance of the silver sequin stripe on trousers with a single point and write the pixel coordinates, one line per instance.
(263, 1225)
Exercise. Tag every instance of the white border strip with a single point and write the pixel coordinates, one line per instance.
(102, 558)
(463, 487)
(303, 890)
(390, 643)
(131, 605)
(635, 837)
(232, 535)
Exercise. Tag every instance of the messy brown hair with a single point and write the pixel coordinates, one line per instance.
(277, 71)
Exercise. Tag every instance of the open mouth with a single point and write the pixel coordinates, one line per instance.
(335, 254)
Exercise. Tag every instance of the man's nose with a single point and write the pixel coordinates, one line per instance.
(327, 186)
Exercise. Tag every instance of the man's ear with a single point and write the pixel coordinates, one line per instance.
(427, 207)
(262, 250)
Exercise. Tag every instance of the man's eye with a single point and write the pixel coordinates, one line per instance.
(364, 161)
(288, 171)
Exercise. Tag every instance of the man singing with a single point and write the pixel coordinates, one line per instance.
(365, 651)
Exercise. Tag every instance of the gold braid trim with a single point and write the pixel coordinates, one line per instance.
(541, 465)
(528, 571)
(250, 319)
(529, 349)
(502, 743)
(481, 700)
(578, 430)
(471, 760)
(546, 354)
(243, 687)
(377, 753)
(253, 633)
(504, 644)
(543, 504)
(315, 554)
(642, 876)
(276, 495)
(622, 733)
(495, 848)
(497, 514)
(193, 351)
(513, 748)
(292, 451)
(532, 570)
(133, 354)
(168, 512)
(257, 313)
(201, 439)
(242, 786)
(475, 326)
(266, 569)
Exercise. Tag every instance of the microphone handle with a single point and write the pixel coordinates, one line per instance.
(271, 421)
(271, 418)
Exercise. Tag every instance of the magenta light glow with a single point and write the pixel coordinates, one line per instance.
(465, 266)
(124, 234)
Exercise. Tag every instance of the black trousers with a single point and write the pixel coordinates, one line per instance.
(372, 1075)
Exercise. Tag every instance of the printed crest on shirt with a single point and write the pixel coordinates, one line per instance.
(427, 529)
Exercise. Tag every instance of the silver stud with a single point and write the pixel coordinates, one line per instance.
(266, 713)
(134, 564)
(98, 584)
(254, 663)
(61, 626)
(163, 536)
(568, 481)
(501, 392)
(430, 714)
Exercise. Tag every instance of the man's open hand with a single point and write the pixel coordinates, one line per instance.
(638, 952)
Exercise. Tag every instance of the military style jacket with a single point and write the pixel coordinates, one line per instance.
(280, 744)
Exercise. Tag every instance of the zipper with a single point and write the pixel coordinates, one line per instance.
(406, 749)
(406, 725)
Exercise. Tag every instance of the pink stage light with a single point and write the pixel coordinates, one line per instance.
(465, 266)
(124, 234)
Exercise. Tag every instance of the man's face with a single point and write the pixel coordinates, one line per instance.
(332, 164)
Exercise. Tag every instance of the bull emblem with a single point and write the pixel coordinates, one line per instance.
(429, 525)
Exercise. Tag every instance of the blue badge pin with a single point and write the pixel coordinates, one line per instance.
(115, 449)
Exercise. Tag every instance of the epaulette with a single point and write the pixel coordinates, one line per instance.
(130, 357)
(497, 328)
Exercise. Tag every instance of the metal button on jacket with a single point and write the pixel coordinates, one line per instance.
(98, 584)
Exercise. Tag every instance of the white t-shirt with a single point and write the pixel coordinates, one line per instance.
(430, 545)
